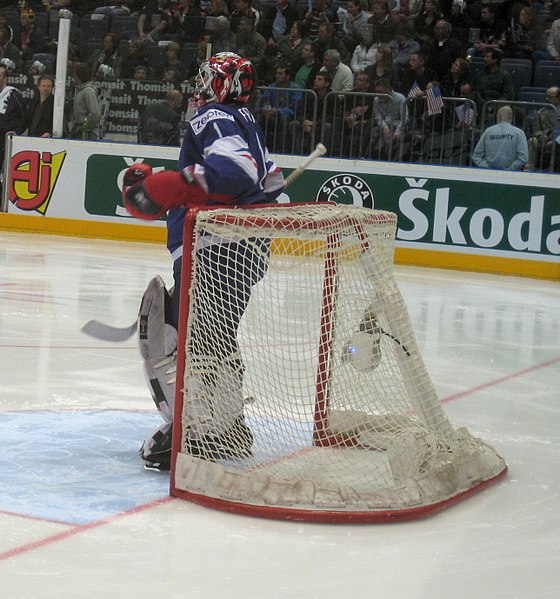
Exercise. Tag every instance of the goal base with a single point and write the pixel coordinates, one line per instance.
(286, 487)
(297, 306)
(330, 516)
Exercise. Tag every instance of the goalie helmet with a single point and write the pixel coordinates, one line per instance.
(226, 77)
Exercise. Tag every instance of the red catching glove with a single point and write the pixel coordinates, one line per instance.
(149, 198)
(135, 173)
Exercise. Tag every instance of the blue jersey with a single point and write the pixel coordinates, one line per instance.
(226, 146)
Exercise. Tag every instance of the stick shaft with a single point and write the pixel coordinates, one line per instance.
(320, 150)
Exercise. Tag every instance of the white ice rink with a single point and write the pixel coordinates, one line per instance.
(80, 518)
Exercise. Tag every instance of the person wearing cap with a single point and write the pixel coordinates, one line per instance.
(459, 21)
(29, 38)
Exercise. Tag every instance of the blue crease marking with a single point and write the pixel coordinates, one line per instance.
(76, 467)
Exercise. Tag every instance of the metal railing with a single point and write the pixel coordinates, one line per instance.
(374, 126)
(280, 111)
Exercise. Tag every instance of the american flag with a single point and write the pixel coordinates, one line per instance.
(465, 114)
(414, 91)
(435, 100)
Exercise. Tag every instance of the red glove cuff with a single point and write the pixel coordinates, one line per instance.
(156, 194)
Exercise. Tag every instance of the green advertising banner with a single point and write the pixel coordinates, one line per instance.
(432, 212)
(104, 182)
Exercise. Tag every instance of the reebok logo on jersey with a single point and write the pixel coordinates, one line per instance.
(199, 122)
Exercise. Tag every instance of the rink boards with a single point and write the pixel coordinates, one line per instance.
(460, 218)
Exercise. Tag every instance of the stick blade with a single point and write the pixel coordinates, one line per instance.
(104, 332)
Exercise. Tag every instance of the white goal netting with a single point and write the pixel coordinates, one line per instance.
(301, 390)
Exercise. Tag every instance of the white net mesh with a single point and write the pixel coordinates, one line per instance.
(303, 388)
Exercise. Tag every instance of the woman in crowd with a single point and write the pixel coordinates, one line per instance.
(134, 58)
(365, 53)
(290, 46)
(383, 68)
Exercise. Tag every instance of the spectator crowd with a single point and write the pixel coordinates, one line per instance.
(408, 80)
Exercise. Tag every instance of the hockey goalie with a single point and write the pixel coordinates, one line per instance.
(223, 161)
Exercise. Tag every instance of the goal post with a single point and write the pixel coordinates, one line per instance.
(301, 392)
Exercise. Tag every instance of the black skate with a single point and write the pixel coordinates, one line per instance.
(158, 456)
(235, 443)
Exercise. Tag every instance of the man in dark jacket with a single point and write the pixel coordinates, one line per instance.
(160, 121)
(277, 21)
(443, 51)
(494, 83)
(39, 119)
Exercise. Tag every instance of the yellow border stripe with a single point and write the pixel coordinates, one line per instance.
(416, 257)
(82, 228)
(478, 263)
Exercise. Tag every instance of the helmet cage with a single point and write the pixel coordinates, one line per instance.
(225, 77)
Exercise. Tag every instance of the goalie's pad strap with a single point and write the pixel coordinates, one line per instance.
(156, 336)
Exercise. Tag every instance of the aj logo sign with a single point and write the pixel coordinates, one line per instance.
(33, 178)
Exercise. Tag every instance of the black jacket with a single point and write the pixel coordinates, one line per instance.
(39, 118)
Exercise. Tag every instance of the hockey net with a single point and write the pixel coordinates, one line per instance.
(345, 420)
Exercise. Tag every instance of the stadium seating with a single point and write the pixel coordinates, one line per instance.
(521, 71)
(547, 73)
(532, 94)
(124, 26)
(94, 28)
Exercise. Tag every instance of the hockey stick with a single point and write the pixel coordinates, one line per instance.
(106, 332)
(319, 150)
